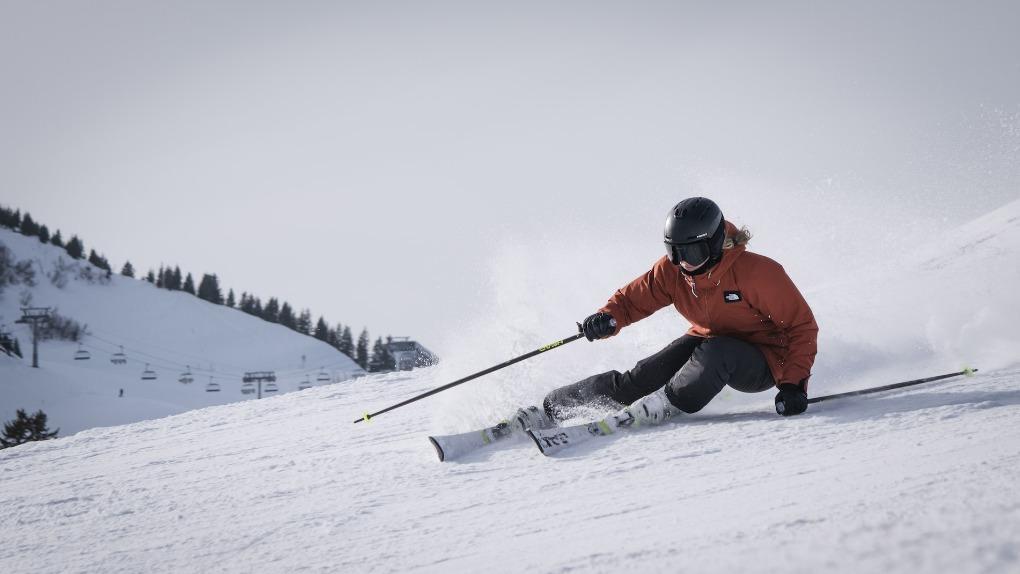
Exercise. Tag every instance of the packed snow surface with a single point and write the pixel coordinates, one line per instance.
(915, 480)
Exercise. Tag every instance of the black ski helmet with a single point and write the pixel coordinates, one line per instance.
(695, 232)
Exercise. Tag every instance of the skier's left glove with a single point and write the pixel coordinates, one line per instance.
(791, 400)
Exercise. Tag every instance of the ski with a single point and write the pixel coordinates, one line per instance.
(451, 446)
(553, 440)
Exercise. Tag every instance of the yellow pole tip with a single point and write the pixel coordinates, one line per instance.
(367, 418)
(968, 371)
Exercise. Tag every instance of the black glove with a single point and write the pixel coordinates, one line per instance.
(791, 400)
(598, 326)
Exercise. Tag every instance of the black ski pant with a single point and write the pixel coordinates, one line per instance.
(693, 370)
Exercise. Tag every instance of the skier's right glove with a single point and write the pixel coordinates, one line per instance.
(791, 400)
(598, 326)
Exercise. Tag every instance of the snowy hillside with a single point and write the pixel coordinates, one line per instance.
(172, 332)
(916, 480)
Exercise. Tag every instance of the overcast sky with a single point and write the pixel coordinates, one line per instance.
(392, 165)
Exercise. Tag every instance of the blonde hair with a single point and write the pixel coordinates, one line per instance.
(742, 237)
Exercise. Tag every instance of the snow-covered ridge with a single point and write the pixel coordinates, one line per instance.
(172, 332)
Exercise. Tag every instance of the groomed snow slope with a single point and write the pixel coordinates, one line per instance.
(917, 480)
(170, 331)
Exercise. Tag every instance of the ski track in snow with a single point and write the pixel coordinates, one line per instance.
(922, 479)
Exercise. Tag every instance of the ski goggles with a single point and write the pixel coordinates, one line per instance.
(691, 253)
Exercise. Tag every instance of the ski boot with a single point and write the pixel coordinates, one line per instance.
(649, 410)
(530, 418)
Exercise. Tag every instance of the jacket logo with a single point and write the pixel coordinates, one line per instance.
(732, 296)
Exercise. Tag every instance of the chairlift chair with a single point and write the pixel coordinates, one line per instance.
(119, 358)
(186, 377)
(81, 354)
(270, 388)
(248, 388)
(305, 384)
(148, 374)
(212, 386)
(323, 376)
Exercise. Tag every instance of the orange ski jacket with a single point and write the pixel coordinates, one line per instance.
(745, 296)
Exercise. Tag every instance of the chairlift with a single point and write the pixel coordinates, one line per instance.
(212, 386)
(148, 374)
(270, 388)
(186, 377)
(305, 384)
(119, 358)
(81, 354)
(323, 376)
(248, 388)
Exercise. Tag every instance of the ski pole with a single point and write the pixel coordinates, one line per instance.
(549, 347)
(892, 386)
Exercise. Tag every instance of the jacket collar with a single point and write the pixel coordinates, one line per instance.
(713, 276)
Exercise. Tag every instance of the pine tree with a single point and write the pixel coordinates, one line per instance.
(287, 318)
(161, 277)
(379, 360)
(17, 348)
(28, 226)
(189, 285)
(272, 311)
(75, 248)
(151, 277)
(7, 218)
(231, 302)
(128, 270)
(176, 280)
(245, 303)
(321, 330)
(209, 289)
(57, 239)
(256, 306)
(347, 342)
(333, 338)
(304, 322)
(337, 333)
(373, 360)
(94, 259)
(361, 353)
(25, 429)
(44, 234)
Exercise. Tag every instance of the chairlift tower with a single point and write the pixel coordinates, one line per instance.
(35, 316)
(260, 377)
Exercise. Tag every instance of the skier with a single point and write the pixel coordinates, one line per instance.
(751, 328)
